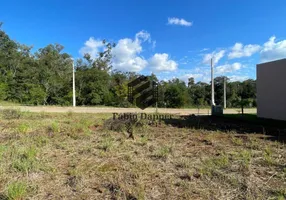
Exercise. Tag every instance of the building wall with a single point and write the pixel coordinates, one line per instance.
(271, 90)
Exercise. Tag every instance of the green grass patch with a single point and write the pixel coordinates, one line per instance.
(24, 159)
(17, 190)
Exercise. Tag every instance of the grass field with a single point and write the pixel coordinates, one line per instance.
(7, 103)
(72, 156)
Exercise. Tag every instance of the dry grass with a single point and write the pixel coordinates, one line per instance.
(70, 156)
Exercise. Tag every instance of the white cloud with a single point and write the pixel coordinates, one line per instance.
(127, 53)
(185, 77)
(177, 21)
(228, 68)
(162, 62)
(273, 50)
(239, 50)
(92, 47)
(234, 78)
(185, 60)
(204, 49)
(154, 44)
(215, 55)
(143, 36)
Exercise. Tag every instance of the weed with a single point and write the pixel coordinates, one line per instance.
(73, 181)
(237, 141)
(254, 143)
(268, 156)
(25, 159)
(3, 149)
(106, 144)
(244, 158)
(70, 113)
(143, 140)
(73, 169)
(86, 122)
(233, 181)
(23, 128)
(130, 126)
(17, 190)
(141, 126)
(11, 114)
(107, 167)
(213, 164)
(268, 159)
(163, 152)
(280, 194)
(78, 130)
(221, 161)
(183, 163)
(268, 151)
(82, 127)
(127, 157)
(42, 114)
(41, 141)
(55, 127)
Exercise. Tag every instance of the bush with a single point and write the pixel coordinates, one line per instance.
(10, 114)
(116, 124)
(125, 125)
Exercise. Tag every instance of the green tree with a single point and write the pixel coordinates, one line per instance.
(93, 80)
(54, 71)
(176, 94)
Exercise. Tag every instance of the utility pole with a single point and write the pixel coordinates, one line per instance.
(224, 92)
(73, 83)
(212, 82)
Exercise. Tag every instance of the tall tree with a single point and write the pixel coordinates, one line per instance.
(54, 71)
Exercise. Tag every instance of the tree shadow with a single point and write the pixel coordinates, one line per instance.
(275, 130)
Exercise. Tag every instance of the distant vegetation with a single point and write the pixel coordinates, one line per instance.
(45, 78)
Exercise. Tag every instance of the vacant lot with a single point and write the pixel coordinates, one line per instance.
(82, 109)
(74, 156)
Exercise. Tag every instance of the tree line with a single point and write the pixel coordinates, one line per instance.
(44, 77)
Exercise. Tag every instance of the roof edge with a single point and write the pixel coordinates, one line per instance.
(283, 59)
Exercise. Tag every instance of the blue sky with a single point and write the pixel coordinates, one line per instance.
(169, 38)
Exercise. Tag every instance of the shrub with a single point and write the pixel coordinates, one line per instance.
(115, 124)
(125, 124)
